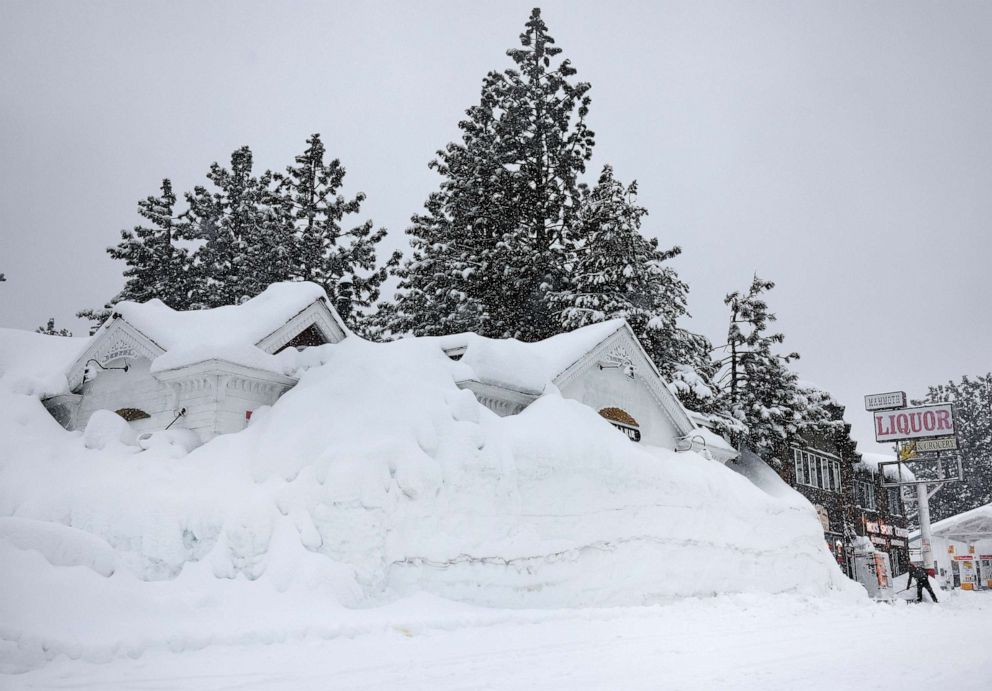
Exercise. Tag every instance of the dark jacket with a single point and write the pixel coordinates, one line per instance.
(919, 573)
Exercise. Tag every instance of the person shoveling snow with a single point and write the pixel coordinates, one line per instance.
(922, 582)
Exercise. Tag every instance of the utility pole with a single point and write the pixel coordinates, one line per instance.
(923, 501)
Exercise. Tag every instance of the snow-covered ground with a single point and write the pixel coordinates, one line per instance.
(762, 642)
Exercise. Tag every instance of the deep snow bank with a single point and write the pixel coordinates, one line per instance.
(374, 478)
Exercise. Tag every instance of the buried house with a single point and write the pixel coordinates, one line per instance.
(602, 366)
(208, 370)
(202, 370)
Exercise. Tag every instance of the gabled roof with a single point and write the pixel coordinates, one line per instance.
(247, 334)
(528, 368)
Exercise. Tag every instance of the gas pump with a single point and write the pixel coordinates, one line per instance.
(985, 571)
(872, 570)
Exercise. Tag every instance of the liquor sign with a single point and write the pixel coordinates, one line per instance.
(885, 401)
(914, 423)
(942, 444)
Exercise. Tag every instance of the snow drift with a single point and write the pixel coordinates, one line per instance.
(375, 479)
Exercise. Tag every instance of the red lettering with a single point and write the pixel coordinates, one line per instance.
(929, 421)
(879, 431)
(943, 419)
(915, 424)
(902, 423)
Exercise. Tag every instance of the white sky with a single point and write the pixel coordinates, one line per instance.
(840, 149)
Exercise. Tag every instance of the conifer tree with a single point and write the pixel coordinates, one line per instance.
(490, 245)
(972, 400)
(157, 266)
(49, 329)
(342, 260)
(758, 388)
(616, 272)
(247, 241)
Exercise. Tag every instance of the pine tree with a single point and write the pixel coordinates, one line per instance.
(247, 238)
(972, 399)
(157, 266)
(49, 329)
(342, 261)
(758, 388)
(616, 272)
(490, 245)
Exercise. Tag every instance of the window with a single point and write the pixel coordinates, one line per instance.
(131, 414)
(866, 495)
(895, 501)
(816, 470)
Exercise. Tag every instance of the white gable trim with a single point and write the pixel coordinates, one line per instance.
(621, 346)
(216, 366)
(318, 314)
(117, 339)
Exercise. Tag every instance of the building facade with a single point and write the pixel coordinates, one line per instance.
(846, 490)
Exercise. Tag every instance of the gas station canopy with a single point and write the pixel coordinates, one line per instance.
(970, 526)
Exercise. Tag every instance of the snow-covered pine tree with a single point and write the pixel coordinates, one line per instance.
(616, 272)
(341, 260)
(972, 399)
(49, 329)
(156, 265)
(758, 388)
(246, 233)
(490, 245)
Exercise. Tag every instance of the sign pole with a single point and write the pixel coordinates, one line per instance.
(923, 500)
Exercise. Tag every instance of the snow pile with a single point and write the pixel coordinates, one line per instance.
(34, 364)
(375, 478)
(228, 333)
(526, 367)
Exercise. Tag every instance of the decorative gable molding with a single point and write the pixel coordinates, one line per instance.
(118, 340)
(317, 314)
(622, 349)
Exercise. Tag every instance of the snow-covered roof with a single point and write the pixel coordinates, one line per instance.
(35, 364)
(229, 333)
(872, 461)
(969, 526)
(526, 367)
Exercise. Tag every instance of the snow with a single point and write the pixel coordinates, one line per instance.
(872, 461)
(34, 364)
(742, 642)
(223, 333)
(526, 367)
(374, 491)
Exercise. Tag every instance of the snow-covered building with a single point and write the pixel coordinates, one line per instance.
(602, 365)
(202, 370)
(208, 370)
(879, 511)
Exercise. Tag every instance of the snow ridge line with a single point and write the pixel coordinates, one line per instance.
(572, 553)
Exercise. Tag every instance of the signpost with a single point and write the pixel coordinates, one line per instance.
(929, 429)
(943, 444)
(914, 423)
(884, 401)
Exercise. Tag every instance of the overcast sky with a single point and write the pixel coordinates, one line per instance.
(841, 149)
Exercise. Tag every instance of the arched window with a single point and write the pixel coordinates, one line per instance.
(132, 414)
(623, 421)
